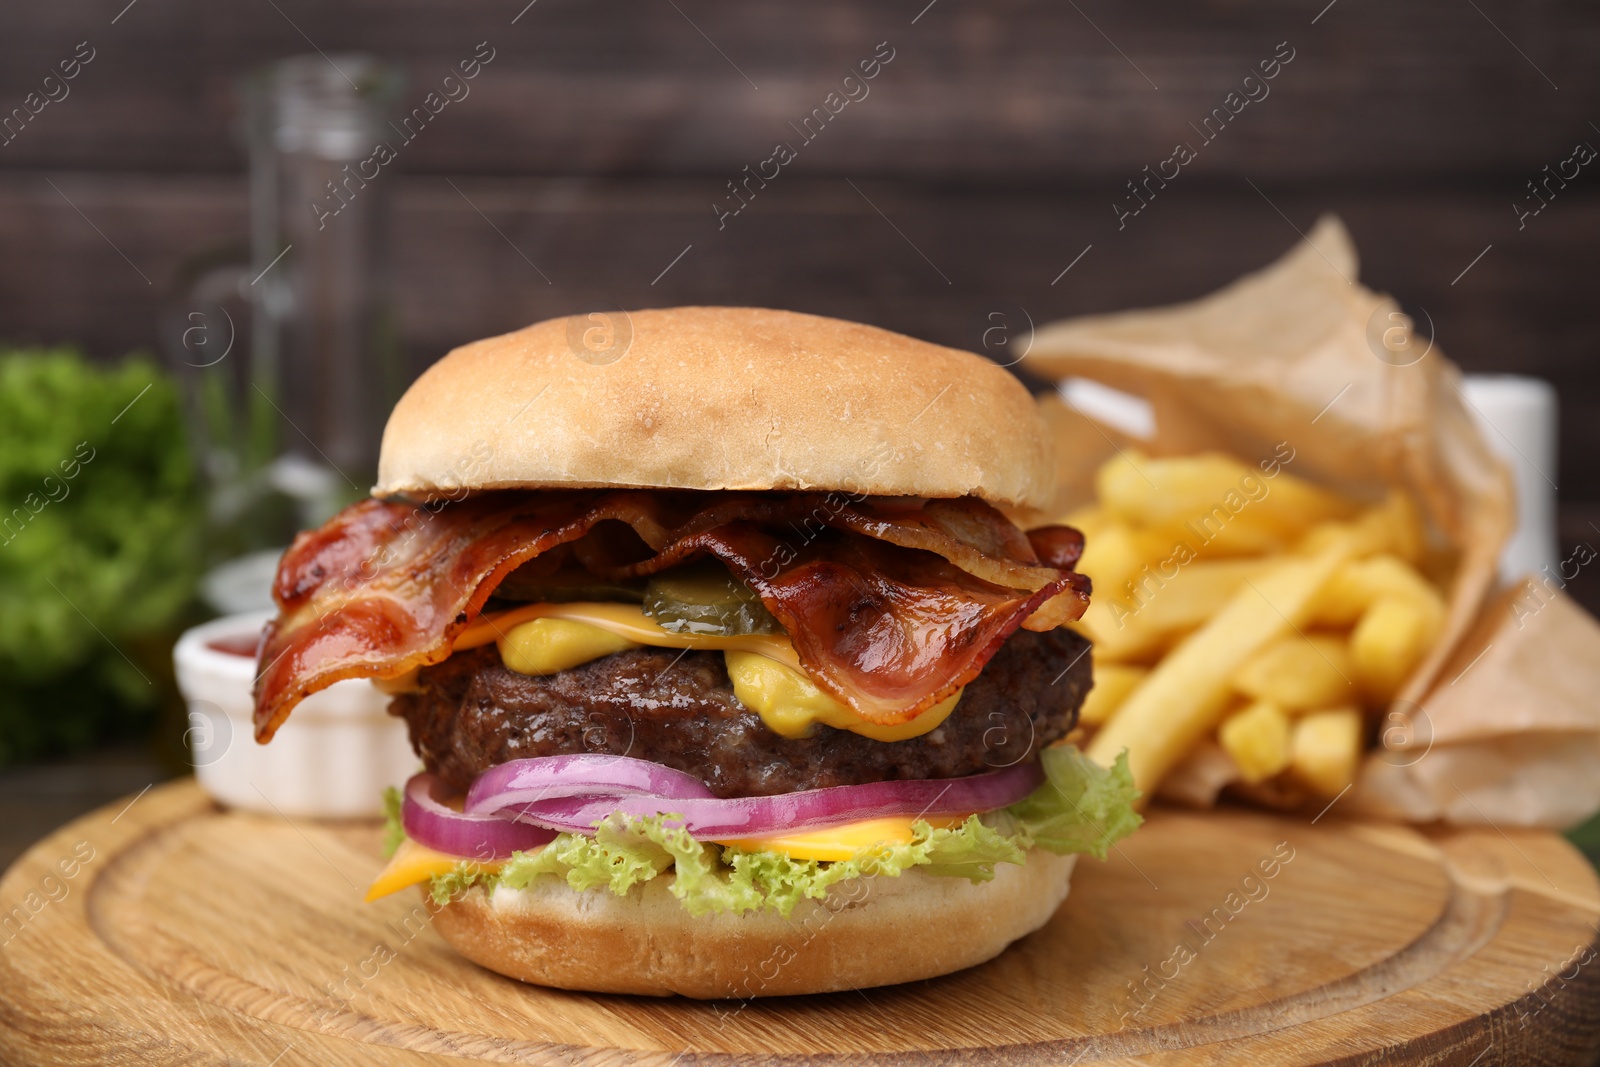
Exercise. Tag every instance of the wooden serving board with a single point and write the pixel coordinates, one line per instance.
(186, 934)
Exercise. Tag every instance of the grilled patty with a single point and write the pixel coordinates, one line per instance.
(679, 709)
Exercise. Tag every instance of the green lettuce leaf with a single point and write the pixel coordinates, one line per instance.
(619, 855)
(467, 873)
(1081, 807)
(394, 831)
(623, 852)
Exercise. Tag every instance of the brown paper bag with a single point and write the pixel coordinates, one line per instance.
(1300, 354)
(1510, 732)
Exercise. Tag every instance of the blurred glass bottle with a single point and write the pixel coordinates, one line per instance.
(289, 427)
(323, 341)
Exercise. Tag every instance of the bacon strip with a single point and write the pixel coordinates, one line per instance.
(886, 631)
(890, 610)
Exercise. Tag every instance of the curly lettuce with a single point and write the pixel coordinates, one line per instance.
(394, 830)
(1081, 807)
(101, 547)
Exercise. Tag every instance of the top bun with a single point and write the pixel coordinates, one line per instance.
(716, 398)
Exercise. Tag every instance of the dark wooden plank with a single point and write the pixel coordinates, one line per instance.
(1020, 88)
(1579, 524)
(818, 245)
(36, 800)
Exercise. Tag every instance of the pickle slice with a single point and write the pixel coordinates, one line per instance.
(703, 598)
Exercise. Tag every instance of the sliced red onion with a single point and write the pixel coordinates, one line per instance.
(431, 823)
(527, 781)
(569, 808)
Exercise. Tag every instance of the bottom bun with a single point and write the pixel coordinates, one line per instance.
(866, 932)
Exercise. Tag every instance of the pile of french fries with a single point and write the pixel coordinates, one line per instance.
(1242, 609)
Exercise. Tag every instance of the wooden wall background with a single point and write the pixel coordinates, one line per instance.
(996, 141)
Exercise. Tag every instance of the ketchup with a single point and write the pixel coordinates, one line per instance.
(243, 645)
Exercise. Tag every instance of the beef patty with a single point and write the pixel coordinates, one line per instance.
(679, 709)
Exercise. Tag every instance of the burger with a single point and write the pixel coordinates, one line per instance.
(729, 669)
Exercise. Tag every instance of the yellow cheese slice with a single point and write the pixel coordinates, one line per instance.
(625, 621)
(413, 863)
(842, 842)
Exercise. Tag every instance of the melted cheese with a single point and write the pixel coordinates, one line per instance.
(546, 646)
(541, 639)
(791, 704)
(626, 621)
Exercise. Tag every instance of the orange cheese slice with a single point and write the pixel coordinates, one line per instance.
(413, 863)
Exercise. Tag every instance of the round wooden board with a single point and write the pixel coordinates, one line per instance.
(186, 934)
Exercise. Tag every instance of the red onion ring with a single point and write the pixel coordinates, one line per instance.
(431, 823)
(568, 808)
(526, 781)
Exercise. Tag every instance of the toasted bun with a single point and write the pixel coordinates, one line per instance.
(716, 398)
(869, 932)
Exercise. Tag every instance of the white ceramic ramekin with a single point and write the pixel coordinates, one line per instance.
(332, 759)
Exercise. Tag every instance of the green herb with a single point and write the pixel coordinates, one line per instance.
(100, 547)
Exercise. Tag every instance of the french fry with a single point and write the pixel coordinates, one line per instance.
(1098, 623)
(1183, 697)
(1194, 594)
(1405, 520)
(1394, 526)
(1172, 492)
(1113, 557)
(1112, 684)
(1213, 536)
(1301, 672)
(1162, 609)
(1388, 643)
(1090, 520)
(1258, 740)
(1207, 574)
(1356, 585)
(1325, 749)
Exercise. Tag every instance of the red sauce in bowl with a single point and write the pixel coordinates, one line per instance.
(243, 645)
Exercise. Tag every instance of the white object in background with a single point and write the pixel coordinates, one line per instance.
(332, 759)
(243, 584)
(1120, 410)
(1518, 418)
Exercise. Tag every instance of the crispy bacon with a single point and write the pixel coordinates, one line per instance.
(890, 608)
(884, 630)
